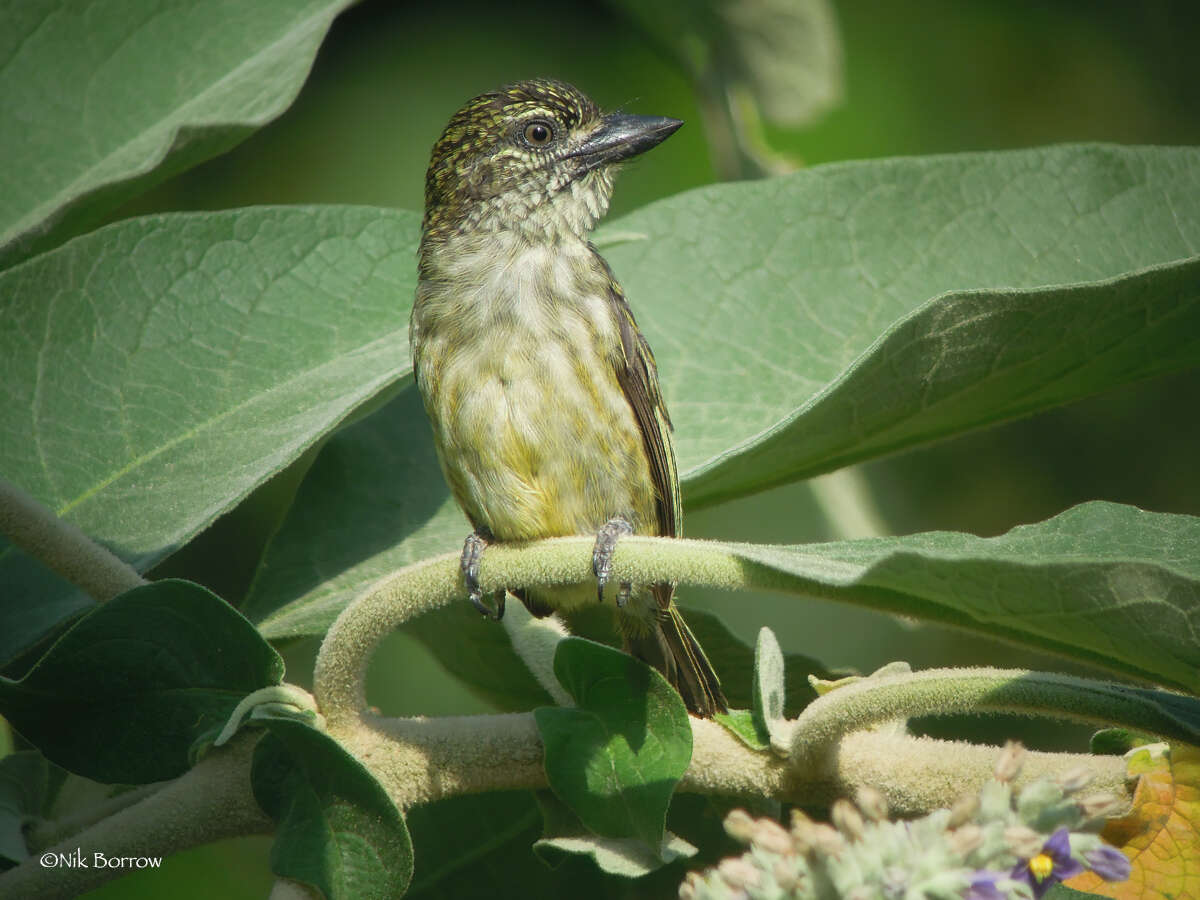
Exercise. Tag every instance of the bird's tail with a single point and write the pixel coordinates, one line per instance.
(673, 650)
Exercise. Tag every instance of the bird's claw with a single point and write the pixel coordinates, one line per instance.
(472, 555)
(602, 554)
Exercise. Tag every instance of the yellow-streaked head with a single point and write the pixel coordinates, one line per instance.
(532, 156)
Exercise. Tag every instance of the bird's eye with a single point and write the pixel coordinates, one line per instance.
(538, 134)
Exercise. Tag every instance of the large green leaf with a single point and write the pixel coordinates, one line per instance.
(103, 98)
(1107, 584)
(806, 322)
(127, 692)
(156, 371)
(809, 321)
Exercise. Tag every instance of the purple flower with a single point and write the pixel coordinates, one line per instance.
(1052, 865)
(983, 886)
(1109, 863)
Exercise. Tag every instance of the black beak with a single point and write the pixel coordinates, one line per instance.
(621, 137)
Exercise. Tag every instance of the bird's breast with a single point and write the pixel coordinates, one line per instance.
(516, 353)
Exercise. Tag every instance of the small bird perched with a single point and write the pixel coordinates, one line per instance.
(542, 392)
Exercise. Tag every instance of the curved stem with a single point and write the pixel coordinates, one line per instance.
(872, 701)
(62, 547)
(418, 760)
(338, 679)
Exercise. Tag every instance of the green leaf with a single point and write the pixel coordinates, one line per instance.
(104, 99)
(158, 370)
(847, 311)
(24, 783)
(123, 695)
(734, 662)
(1106, 584)
(774, 59)
(338, 830)
(1118, 741)
(767, 709)
(1061, 892)
(374, 501)
(615, 759)
(564, 837)
(627, 857)
(743, 725)
(454, 836)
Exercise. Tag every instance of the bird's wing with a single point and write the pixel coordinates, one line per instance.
(638, 377)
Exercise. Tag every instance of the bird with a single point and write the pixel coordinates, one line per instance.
(542, 392)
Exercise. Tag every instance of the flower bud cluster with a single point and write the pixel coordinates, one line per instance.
(1001, 844)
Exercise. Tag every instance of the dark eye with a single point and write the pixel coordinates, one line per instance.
(538, 134)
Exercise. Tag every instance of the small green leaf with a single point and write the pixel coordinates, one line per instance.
(615, 759)
(105, 98)
(1118, 741)
(126, 691)
(744, 725)
(338, 831)
(24, 781)
(768, 682)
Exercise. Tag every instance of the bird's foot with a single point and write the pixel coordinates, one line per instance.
(472, 556)
(606, 544)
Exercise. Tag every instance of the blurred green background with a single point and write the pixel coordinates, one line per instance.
(924, 77)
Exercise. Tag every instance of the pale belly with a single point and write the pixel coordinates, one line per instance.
(539, 442)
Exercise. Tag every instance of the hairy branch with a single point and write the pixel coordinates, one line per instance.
(419, 760)
(62, 547)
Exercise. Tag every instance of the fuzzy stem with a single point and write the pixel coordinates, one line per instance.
(872, 701)
(339, 675)
(419, 760)
(62, 547)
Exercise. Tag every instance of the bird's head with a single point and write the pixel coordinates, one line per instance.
(535, 156)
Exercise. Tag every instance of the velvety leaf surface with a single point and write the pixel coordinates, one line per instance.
(337, 829)
(154, 372)
(853, 309)
(615, 758)
(1108, 584)
(104, 98)
(128, 690)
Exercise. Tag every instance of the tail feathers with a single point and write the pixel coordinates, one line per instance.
(674, 651)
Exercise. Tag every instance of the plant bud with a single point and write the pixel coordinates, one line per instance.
(848, 819)
(739, 826)
(769, 835)
(872, 804)
(1102, 806)
(1023, 841)
(738, 873)
(963, 810)
(1012, 757)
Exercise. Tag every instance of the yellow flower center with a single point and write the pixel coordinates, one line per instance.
(1041, 866)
